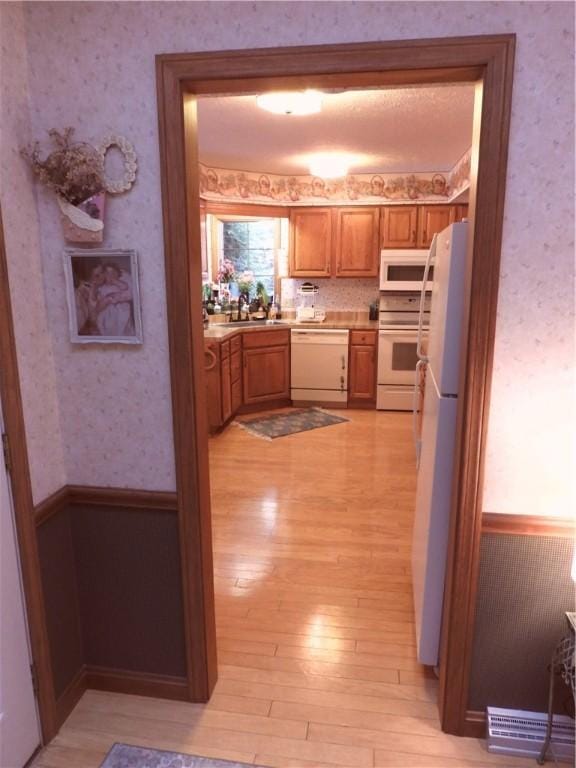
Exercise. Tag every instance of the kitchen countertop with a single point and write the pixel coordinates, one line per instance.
(223, 330)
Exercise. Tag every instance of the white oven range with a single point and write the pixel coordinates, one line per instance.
(397, 342)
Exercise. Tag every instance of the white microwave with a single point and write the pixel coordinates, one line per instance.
(404, 270)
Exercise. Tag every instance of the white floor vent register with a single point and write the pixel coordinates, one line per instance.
(515, 732)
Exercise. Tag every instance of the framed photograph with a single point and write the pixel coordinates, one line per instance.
(103, 296)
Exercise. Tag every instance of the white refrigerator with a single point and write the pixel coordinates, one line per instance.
(436, 442)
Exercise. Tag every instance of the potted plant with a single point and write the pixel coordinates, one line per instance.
(75, 172)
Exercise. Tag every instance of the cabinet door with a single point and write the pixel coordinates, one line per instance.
(266, 374)
(432, 219)
(356, 251)
(399, 227)
(226, 389)
(310, 242)
(362, 373)
(236, 395)
(213, 386)
(460, 212)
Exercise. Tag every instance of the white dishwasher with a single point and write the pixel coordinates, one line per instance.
(319, 365)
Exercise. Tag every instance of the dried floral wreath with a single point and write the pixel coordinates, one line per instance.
(75, 171)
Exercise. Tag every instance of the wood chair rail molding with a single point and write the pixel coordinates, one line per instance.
(124, 498)
(485, 60)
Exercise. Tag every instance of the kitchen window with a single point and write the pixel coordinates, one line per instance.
(256, 244)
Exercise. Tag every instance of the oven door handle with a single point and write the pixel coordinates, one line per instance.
(415, 411)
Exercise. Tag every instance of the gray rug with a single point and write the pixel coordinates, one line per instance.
(282, 424)
(126, 756)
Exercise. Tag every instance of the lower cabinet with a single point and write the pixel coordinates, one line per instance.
(226, 381)
(253, 368)
(213, 384)
(362, 367)
(266, 366)
(244, 370)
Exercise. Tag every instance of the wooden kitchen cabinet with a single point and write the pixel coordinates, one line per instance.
(213, 384)
(225, 381)
(223, 371)
(266, 374)
(236, 372)
(362, 367)
(356, 252)
(431, 220)
(310, 242)
(399, 226)
(460, 212)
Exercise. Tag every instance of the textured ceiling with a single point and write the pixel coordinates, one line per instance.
(388, 130)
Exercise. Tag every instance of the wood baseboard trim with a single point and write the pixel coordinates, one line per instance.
(528, 525)
(71, 696)
(137, 683)
(474, 724)
(129, 498)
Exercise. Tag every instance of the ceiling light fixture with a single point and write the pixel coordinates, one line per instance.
(330, 165)
(291, 102)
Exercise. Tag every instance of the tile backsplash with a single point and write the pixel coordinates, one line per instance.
(335, 293)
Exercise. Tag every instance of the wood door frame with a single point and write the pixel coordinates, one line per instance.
(487, 60)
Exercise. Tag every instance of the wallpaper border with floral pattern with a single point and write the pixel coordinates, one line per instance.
(360, 188)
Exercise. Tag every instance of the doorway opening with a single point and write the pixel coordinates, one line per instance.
(312, 531)
(486, 61)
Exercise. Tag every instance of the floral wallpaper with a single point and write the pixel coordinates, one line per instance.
(234, 186)
(460, 174)
(91, 65)
(36, 362)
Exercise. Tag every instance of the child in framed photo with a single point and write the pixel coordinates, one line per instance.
(103, 296)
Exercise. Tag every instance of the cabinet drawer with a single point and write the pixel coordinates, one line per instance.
(236, 344)
(273, 338)
(363, 337)
(236, 365)
(225, 350)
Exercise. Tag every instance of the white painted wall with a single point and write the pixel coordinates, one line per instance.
(92, 66)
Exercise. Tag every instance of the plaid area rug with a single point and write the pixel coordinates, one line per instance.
(282, 424)
(126, 756)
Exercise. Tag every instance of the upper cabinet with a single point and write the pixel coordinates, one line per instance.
(414, 226)
(346, 241)
(310, 242)
(356, 250)
(399, 227)
(433, 219)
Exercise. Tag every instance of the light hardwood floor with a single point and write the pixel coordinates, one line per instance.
(316, 649)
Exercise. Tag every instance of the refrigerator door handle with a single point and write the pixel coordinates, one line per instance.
(415, 411)
(429, 259)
